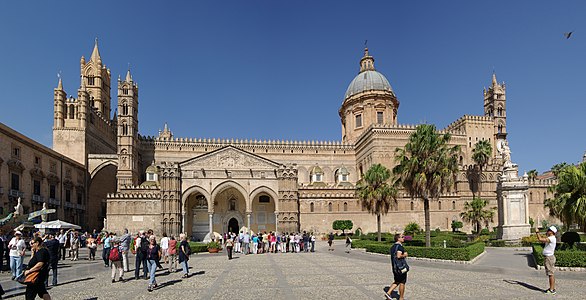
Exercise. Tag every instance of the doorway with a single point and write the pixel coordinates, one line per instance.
(233, 225)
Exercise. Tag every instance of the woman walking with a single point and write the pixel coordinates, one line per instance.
(184, 255)
(92, 245)
(229, 246)
(75, 243)
(39, 263)
(153, 255)
(172, 251)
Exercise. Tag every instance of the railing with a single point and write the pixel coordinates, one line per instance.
(38, 198)
(16, 193)
(69, 205)
(54, 201)
(80, 206)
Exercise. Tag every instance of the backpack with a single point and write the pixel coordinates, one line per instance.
(114, 254)
(144, 245)
(188, 250)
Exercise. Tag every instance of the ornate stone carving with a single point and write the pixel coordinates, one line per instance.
(229, 157)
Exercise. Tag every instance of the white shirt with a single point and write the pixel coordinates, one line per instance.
(550, 246)
(165, 243)
(62, 238)
(16, 247)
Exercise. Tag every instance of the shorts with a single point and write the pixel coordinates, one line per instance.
(549, 263)
(165, 252)
(400, 277)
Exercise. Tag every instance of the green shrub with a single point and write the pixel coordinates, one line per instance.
(358, 232)
(564, 258)
(342, 225)
(570, 238)
(497, 243)
(465, 253)
(484, 231)
(412, 228)
(456, 225)
(196, 247)
(214, 245)
(529, 240)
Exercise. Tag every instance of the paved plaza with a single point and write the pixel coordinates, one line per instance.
(500, 274)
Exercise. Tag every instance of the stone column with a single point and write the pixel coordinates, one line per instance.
(248, 215)
(183, 220)
(276, 221)
(211, 215)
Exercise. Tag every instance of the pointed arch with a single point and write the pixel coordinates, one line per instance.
(267, 190)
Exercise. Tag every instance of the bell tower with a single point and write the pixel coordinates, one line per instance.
(128, 160)
(495, 105)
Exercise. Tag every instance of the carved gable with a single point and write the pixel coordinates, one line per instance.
(229, 158)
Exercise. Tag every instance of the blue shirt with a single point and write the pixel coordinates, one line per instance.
(107, 242)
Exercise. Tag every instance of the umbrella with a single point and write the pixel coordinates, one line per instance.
(57, 224)
(6, 219)
(40, 213)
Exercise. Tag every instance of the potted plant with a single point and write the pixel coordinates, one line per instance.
(214, 247)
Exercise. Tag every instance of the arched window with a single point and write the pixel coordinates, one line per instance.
(345, 206)
(124, 109)
(544, 196)
(500, 128)
(412, 206)
(454, 205)
(71, 111)
(124, 129)
(330, 207)
(530, 196)
(439, 205)
(311, 207)
(65, 111)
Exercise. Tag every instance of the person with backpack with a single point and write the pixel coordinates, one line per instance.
(107, 241)
(399, 266)
(184, 252)
(115, 258)
(141, 245)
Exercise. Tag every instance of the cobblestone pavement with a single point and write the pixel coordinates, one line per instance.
(321, 275)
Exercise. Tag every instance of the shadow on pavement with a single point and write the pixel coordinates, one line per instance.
(523, 284)
(529, 257)
(168, 283)
(394, 294)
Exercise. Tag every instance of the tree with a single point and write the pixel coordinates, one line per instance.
(532, 175)
(426, 167)
(569, 200)
(558, 167)
(376, 194)
(475, 213)
(481, 154)
(343, 225)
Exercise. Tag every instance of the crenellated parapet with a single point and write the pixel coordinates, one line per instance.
(458, 124)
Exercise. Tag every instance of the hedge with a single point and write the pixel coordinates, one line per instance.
(465, 254)
(564, 258)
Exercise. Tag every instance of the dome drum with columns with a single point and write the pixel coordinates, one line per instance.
(198, 186)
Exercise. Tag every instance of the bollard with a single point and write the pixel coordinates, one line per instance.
(444, 243)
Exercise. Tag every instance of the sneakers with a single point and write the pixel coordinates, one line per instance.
(150, 288)
(551, 292)
(113, 280)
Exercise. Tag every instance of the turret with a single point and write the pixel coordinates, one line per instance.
(128, 163)
(495, 100)
(59, 97)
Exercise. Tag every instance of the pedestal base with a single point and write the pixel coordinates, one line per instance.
(513, 232)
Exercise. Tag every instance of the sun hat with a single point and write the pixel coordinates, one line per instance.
(18, 233)
(553, 229)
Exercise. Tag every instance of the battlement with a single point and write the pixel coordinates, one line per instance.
(173, 142)
(468, 118)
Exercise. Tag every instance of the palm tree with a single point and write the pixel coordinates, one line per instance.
(569, 201)
(426, 167)
(376, 194)
(481, 154)
(532, 175)
(475, 213)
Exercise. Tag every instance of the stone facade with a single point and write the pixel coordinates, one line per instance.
(196, 185)
(39, 175)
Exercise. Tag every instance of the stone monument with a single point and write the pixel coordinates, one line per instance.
(513, 207)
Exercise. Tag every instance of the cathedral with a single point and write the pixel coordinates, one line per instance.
(197, 186)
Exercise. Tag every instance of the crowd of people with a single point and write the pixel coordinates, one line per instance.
(271, 242)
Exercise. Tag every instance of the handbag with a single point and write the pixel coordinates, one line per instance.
(30, 278)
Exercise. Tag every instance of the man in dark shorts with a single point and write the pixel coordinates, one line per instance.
(331, 241)
(52, 245)
(400, 277)
(39, 263)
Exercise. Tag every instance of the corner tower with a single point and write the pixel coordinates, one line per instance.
(128, 160)
(369, 100)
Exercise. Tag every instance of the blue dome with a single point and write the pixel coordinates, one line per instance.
(368, 81)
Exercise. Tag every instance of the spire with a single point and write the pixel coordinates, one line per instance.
(494, 82)
(96, 54)
(367, 62)
(128, 76)
(60, 84)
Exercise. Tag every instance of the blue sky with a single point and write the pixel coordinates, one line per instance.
(279, 69)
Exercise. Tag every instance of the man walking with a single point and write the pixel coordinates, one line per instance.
(141, 246)
(53, 247)
(246, 243)
(17, 248)
(399, 266)
(62, 237)
(548, 254)
(124, 247)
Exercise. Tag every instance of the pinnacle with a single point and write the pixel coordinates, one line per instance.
(96, 53)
